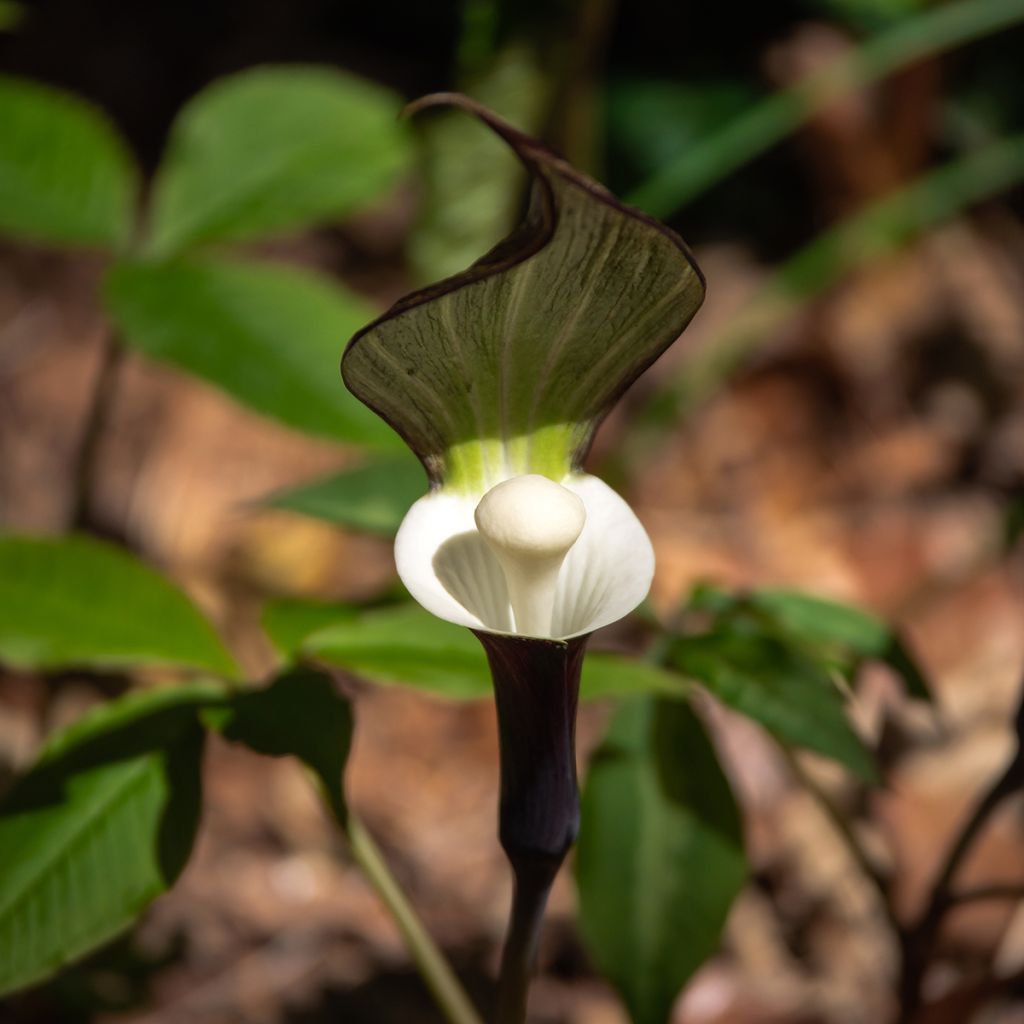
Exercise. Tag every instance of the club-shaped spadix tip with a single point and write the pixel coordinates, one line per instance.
(531, 517)
(530, 523)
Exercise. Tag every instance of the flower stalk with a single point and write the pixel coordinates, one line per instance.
(536, 689)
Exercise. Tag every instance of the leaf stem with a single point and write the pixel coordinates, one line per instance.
(92, 430)
(430, 961)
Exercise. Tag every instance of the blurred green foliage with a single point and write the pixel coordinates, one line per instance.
(660, 855)
(837, 637)
(66, 177)
(267, 334)
(274, 150)
(268, 151)
(373, 496)
(789, 660)
(789, 695)
(473, 183)
(405, 645)
(78, 602)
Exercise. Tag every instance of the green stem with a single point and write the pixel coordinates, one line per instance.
(770, 121)
(430, 961)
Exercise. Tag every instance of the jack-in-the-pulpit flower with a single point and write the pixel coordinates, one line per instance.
(497, 379)
(506, 370)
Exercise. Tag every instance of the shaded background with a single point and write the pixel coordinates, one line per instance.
(865, 443)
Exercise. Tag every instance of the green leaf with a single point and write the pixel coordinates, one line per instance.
(473, 185)
(373, 497)
(136, 720)
(836, 636)
(409, 647)
(510, 365)
(616, 675)
(267, 335)
(793, 697)
(406, 646)
(288, 621)
(74, 601)
(101, 826)
(660, 857)
(65, 175)
(272, 150)
(817, 622)
(839, 636)
(301, 714)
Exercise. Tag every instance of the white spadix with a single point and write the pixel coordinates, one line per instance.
(530, 523)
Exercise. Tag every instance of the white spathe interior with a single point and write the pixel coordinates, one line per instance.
(448, 567)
